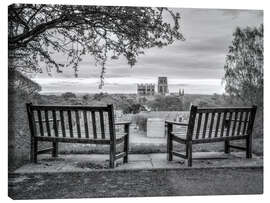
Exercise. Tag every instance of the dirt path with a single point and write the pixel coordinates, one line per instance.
(162, 182)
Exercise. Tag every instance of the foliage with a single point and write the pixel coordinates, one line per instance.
(68, 95)
(86, 97)
(17, 80)
(168, 103)
(214, 100)
(38, 32)
(100, 96)
(133, 108)
(244, 66)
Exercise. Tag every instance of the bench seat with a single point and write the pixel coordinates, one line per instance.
(77, 124)
(208, 125)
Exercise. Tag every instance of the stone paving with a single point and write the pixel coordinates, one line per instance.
(90, 162)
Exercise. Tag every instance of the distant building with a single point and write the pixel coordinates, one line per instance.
(181, 92)
(145, 89)
(163, 86)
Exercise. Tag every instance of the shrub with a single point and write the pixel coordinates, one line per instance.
(86, 97)
(134, 109)
(68, 95)
(167, 103)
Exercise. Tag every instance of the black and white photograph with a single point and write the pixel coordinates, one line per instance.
(110, 101)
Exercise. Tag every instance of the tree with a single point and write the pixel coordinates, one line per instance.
(86, 97)
(167, 103)
(244, 66)
(37, 32)
(133, 108)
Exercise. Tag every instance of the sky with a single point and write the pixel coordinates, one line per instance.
(195, 65)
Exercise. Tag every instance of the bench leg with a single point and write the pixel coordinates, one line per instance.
(169, 146)
(248, 148)
(227, 147)
(112, 155)
(34, 150)
(112, 162)
(55, 149)
(189, 153)
(126, 143)
(169, 149)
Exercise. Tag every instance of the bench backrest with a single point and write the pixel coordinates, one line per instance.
(209, 123)
(72, 121)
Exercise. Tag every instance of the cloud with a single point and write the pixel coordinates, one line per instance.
(201, 57)
(234, 13)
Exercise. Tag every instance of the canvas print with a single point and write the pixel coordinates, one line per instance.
(115, 101)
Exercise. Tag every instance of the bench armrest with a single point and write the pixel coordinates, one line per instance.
(123, 123)
(176, 123)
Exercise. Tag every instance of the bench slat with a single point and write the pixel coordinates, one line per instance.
(55, 127)
(222, 110)
(218, 139)
(229, 124)
(199, 125)
(78, 123)
(68, 107)
(217, 124)
(70, 124)
(62, 123)
(205, 124)
(74, 140)
(47, 123)
(240, 122)
(40, 123)
(183, 133)
(101, 118)
(223, 123)
(245, 122)
(85, 124)
(75, 134)
(211, 124)
(94, 124)
(234, 123)
(119, 137)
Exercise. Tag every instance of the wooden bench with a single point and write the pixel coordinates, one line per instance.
(208, 125)
(76, 124)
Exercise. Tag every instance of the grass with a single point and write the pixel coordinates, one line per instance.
(156, 148)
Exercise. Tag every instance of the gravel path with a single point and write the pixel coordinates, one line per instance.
(131, 183)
